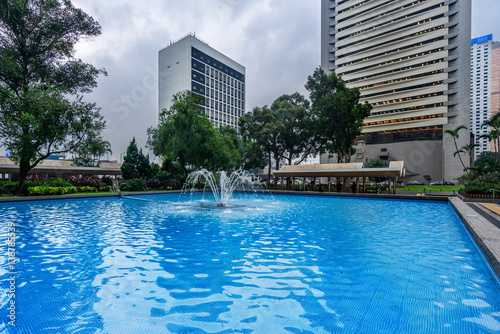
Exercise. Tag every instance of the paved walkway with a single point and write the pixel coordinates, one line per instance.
(483, 225)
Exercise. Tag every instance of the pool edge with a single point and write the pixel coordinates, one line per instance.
(486, 235)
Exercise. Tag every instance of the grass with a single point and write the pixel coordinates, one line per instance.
(431, 188)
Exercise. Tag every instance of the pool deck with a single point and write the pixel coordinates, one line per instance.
(481, 219)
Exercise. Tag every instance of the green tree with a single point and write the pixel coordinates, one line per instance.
(135, 164)
(455, 135)
(38, 75)
(494, 134)
(296, 122)
(339, 115)
(90, 150)
(485, 156)
(376, 163)
(261, 126)
(185, 135)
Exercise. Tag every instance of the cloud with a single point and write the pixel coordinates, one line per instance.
(277, 42)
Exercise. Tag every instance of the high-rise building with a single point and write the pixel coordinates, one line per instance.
(481, 90)
(191, 64)
(410, 59)
(495, 78)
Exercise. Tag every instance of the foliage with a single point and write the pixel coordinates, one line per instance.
(485, 156)
(170, 169)
(89, 151)
(57, 183)
(134, 185)
(155, 168)
(376, 163)
(455, 135)
(338, 115)
(135, 164)
(428, 178)
(39, 73)
(186, 136)
(482, 185)
(49, 190)
(259, 126)
(296, 127)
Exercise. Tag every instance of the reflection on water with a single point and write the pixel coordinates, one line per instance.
(289, 265)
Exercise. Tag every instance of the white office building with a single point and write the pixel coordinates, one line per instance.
(410, 60)
(191, 64)
(481, 90)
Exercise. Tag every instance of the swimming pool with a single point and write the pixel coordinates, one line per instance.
(264, 264)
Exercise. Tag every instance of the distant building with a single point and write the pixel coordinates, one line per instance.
(410, 60)
(191, 64)
(481, 90)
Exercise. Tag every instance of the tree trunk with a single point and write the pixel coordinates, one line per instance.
(269, 170)
(24, 168)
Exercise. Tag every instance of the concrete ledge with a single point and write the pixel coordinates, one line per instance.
(443, 198)
(79, 196)
(485, 233)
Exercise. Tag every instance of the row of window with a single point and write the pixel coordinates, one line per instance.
(408, 98)
(402, 79)
(206, 59)
(406, 119)
(396, 70)
(397, 51)
(426, 106)
(388, 62)
(388, 32)
(387, 22)
(430, 84)
(398, 39)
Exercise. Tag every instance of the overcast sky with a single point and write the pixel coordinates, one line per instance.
(277, 41)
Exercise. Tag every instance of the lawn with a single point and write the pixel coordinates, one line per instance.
(431, 188)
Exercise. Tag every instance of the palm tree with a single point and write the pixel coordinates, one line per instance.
(454, 134)
(494, 124)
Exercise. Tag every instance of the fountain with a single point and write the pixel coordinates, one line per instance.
(223, 187)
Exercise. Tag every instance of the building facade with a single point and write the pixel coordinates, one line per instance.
(191, 64)
(480, 90)
(410, 59)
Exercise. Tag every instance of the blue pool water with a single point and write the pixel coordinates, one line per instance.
(265, 264)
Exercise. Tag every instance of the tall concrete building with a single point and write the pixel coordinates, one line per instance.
(481, 90)
(410, 59)
(191, 64)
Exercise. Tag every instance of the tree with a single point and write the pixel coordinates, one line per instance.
(455, 134)
(297, 124)
(339, 115)
(428, 178)
(38, 75)
(90, 150)
(135, 164)
(185, 135)
(494, 134)
(376, 163)
(485, 156)
(261, 126)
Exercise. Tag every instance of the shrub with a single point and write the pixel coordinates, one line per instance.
(9, 187)
(86, 189)
(47, 190)
(134, 185)
(105, 188)
(58, 183)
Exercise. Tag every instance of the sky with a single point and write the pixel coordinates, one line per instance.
(278, 42)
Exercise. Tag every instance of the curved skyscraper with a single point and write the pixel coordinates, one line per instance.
(411, 61)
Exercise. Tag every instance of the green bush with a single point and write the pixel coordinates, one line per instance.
(57, 183)
(106, 188)
(46, 190)
(86, 189)
(9, 187)
(134, 185)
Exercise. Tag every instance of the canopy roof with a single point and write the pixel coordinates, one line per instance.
(395, 169)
